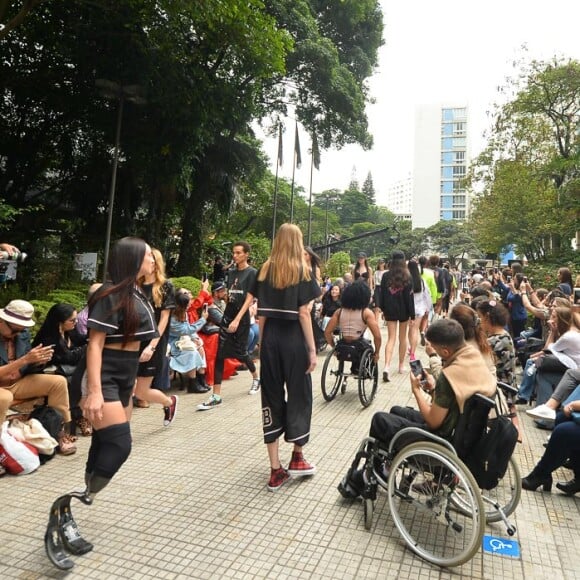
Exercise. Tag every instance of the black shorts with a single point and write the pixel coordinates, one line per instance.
(118, 374)
(150, 367)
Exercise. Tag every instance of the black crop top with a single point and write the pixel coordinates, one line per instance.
(104, 318)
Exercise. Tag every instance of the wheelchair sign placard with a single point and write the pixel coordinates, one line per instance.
(501, 546)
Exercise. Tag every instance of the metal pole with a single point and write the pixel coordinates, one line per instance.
(327, 250)
(292, 191)
(309, 237)
(275, 207)
(113, 185)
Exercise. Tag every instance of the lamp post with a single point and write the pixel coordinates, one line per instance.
(113, 91)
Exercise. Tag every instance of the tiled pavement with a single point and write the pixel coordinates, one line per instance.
(192, 502)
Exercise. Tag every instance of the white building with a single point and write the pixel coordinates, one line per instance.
(440, 163)
(400, 196)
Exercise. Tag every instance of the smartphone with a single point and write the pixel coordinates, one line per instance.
(204, 277)
(417, 368)
(205, 307)
(508, 279)
(576, 295)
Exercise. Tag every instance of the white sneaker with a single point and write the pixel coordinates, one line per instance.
(542, 412)
(255, 388)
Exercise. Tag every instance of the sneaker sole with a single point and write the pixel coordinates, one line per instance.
(275, 489)
(199, 408)
(301, 472)
(540, 416)
(253, 391)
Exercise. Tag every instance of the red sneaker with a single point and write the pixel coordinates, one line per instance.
(170, 412)
(278, 477)
(299, 466)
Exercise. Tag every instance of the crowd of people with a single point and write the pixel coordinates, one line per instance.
(138, 331)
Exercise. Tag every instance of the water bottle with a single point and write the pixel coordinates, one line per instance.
(530, 371)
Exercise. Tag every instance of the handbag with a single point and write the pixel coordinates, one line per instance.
(185, 342)
(17, 457)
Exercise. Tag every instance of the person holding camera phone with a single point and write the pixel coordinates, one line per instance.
(464, 373)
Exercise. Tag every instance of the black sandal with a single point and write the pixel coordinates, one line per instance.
(53, 544)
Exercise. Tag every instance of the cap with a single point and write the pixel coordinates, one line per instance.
(219, 285)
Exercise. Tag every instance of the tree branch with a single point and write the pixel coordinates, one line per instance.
(27, 7)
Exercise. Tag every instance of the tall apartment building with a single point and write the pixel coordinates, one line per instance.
(440, 163)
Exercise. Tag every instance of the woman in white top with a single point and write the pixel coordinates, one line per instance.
(423, 303)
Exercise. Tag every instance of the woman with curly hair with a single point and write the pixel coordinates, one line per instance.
(398, 308)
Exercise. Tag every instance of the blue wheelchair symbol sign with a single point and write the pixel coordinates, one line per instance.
(501, 546)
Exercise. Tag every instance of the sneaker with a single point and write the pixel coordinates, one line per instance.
(170, 411)
(542, 412)
(299, 466)
(211, 403)
(423, 339)
(278, 477)
(255, 388)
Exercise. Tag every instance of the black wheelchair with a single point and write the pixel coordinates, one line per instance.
(363, 369)
(436, 503)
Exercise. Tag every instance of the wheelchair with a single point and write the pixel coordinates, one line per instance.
(435, 501)
(335, 377)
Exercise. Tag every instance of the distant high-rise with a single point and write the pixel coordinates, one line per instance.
(440, 164)
(400, 197)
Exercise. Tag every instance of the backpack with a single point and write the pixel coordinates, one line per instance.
(49, 418)
(488, 459)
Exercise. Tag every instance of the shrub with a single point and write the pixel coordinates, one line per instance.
(189, 282)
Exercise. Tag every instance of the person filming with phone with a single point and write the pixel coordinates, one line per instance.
(440, 401)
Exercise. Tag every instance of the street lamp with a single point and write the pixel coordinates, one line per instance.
(115, 92)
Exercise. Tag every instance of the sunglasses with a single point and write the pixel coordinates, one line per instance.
(14, 328)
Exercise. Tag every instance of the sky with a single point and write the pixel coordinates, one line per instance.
(481, 39)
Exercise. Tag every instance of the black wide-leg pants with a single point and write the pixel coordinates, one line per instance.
(286, 388)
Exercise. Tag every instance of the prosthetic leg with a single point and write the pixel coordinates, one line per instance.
(62, 533)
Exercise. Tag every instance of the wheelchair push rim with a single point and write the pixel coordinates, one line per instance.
(368, 378)
(422, 479)
(332, 376)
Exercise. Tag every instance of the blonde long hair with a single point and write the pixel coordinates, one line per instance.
(160, 278)
(286, 265)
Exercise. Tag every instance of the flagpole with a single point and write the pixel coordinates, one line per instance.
(275, 207)
(309, 237)
(279, 161)
(292, 190)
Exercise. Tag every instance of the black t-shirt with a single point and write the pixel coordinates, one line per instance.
(167, 302)
(104, 318)
(284, 303)
(240, 283)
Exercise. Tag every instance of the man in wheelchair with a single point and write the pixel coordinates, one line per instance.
(353, 318)
(440, 402)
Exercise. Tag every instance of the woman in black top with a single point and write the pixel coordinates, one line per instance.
(59, 330)
(285, 289)
(161, 296)
(362, 270)
(120, 319)
(398, 306)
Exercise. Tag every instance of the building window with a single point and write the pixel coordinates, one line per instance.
(458, 187)
(459, 113)
(459, 201)
(459, 171)
(459, 128)
(459, 142)
(459, 214)
(459, 157)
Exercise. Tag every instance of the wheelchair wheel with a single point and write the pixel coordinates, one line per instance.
(369, 508)
(423, 478)
(332, 376)
(368, 378)
(506, 495)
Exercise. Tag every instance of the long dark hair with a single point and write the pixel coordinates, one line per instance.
(314, 258)
(471, 324)
(398, 275)
(415, 276)
(49, 332)
(123, 266)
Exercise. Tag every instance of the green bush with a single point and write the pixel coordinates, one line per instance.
(189, 282)
(338, 264)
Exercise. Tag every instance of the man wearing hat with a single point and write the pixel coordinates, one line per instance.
(16, 358)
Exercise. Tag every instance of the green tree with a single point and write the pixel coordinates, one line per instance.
(369, 189)
(453, 240)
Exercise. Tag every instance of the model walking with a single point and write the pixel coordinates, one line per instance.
(285, 290)
(120, 319)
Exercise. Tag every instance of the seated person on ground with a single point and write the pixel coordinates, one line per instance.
(186, 347)
(464, 373)
(16, 360)
(353, 318)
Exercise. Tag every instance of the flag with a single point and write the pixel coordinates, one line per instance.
(297, 149)
(280, 153)
(315, 151)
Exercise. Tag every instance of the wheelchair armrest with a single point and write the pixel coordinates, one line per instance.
(507, 389)
(423, 434)
(485, 400)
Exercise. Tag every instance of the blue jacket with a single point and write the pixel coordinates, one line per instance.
(21, 347)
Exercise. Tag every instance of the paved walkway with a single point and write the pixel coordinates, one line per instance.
(192, 502)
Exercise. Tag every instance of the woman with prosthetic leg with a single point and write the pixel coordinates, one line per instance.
(120, 318)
